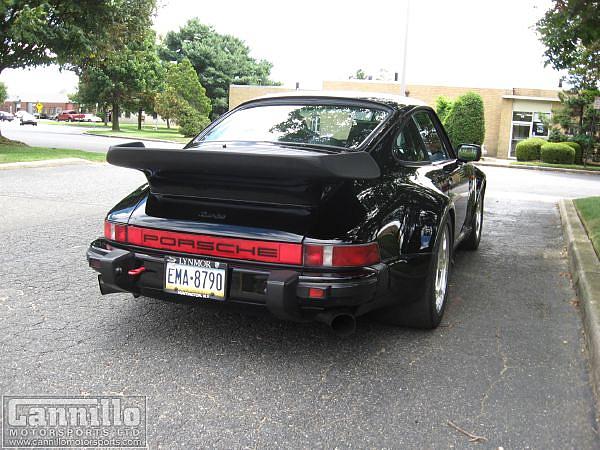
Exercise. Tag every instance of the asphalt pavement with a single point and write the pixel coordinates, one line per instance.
(66, 136)
(508, 362)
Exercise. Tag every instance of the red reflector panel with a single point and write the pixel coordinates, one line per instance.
(250, 250)
(355, 255)
(313, 255)
(316, 293)
(115, 232)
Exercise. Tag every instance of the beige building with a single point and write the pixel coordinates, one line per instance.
(510, 115)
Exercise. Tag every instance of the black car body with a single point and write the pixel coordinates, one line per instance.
(352, 203)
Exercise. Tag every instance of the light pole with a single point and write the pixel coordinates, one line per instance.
(403, 82)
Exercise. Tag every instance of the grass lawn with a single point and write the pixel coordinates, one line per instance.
(16, 152)
(560, 166)
(129, 130)
(589, 211)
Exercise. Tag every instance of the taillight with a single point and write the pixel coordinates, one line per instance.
(316, 255)
(115, 231)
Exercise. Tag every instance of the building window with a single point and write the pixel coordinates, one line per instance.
(527, 124)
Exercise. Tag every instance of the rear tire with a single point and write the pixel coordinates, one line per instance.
(427, 312)
(471, 242)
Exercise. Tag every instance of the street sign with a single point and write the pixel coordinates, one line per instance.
(39, 107)
(597, 103)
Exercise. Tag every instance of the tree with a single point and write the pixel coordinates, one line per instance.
(360, 74)
(122, 77)
(570, 31)
(465, 122)
(219, 60)
(443, 106)
(3, 92)
(72, 34)
(184, 99)
(185, 82)
(167, 104)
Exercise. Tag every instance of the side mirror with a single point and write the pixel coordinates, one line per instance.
(469, 152)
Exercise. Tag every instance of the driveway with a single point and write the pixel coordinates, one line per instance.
(65, 136)
(508, 362)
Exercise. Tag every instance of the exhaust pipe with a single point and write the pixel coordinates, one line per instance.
(342, 323)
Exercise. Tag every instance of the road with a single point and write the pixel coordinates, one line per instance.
(64, 136)
(508, 362)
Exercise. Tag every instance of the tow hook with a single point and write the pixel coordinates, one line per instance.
(136, 272)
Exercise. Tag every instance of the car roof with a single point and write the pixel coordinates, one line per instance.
(395, 101)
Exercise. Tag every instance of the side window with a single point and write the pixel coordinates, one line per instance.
(408, 146)
(433, 143)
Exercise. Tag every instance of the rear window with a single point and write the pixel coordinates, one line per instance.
(343, 126)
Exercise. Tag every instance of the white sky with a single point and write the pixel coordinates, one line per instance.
(479, 43)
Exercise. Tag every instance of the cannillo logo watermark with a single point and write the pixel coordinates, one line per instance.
(42, 422)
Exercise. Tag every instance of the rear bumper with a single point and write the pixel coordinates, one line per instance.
(283, 291)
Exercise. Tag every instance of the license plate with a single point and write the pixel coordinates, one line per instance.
(196, 277)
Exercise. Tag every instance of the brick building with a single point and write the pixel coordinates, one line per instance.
(510, 115)
(49, 108)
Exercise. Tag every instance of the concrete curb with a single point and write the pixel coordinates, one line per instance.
(545, 169)
(585, 270)
(46, 163)
(91, 133)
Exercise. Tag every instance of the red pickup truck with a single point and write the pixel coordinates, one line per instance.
(70, 116)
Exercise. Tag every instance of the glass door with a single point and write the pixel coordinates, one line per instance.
(520, 131)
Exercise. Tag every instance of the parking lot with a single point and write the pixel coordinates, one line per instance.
(507, 364)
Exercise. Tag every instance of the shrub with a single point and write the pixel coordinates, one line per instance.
(190, 121)
(529, 149)
(465, 122)
(557, 153)
(575, 146)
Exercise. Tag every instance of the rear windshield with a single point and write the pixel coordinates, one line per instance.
(341, 126)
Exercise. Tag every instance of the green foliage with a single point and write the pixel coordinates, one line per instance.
(576, 111)
(190, 121)
(570, 31)
(70, 33)
(465, 122)
(360, 74)
(557, 153)
(555, 135)
(575, 146)
(122, 77)
(219, 60)
(529, 149)
(184, 99)
(3, 92)
(183, 79)
(443, 106)
(168, 104)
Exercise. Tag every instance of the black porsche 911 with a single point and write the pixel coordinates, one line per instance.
(320, 206)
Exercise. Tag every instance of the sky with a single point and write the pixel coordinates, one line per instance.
(476, 43)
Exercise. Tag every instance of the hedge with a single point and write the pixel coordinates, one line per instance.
(529, 149)
(557, 153)
(575, 146)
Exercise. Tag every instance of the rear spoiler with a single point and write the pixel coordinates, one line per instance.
(278, 163)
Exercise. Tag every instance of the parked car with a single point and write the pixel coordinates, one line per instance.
(321, 206)
(70, 116)
(91, 118)
(28, 119)
(19, 113)
(6, 116)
